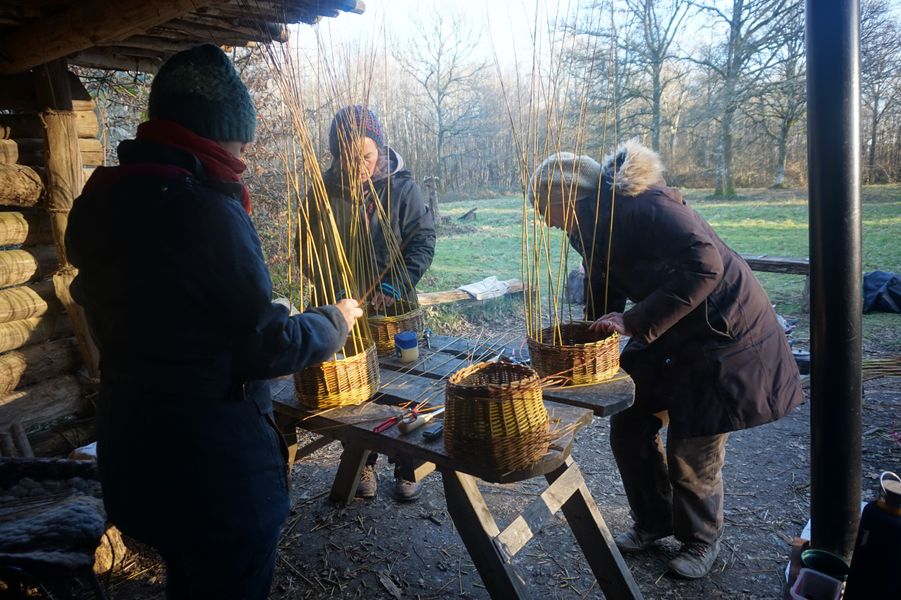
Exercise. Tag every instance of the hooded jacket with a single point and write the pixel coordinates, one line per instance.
(705, 343)
(412, 225)
(178, 296)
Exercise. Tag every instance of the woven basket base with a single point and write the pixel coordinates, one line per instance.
(581, 358)
(344, 382)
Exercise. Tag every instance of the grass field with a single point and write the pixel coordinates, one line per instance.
(760, 222)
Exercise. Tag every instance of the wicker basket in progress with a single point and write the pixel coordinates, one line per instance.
(495, 417)
(344, 382)
(575, 353)
(401, 317)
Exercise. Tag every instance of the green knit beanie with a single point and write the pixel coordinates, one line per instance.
(201, 90)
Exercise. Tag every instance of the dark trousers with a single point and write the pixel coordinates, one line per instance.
(197, 570)
(679, 489)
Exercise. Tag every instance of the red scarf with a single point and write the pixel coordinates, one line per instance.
(218, 163)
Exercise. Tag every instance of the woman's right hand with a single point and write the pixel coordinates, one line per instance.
(350, 310)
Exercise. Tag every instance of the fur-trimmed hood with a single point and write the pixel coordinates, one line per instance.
(632, 168)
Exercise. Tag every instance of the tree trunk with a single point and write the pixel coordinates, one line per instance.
(781, 144)
(725, 181)
(871, 154)
(656, 92)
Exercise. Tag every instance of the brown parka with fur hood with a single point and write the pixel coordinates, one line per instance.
(706, 345)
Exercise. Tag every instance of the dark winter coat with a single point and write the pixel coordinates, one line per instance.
(705, 343)
(178, 296)
(412, 225)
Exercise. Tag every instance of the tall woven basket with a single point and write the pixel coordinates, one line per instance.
(347, 381)
(575, 353)
(495, 417)
(402, 316)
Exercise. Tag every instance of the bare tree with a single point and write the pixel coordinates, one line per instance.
(439, 56)
(659, 24)
(782, 98)
(880, 73)
(750, 50)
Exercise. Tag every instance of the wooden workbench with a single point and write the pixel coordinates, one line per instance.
(492, 550)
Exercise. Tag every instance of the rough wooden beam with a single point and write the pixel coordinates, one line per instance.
(118, 59)
(17, 92)
(20, 186)
(27, 264)
(514, 286)
(24, 228)
(84, 25)
(22, 368)
(32, 152)
(18, 334)
(43, 402)
(29, 125)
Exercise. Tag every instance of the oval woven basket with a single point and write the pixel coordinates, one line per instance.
(344, 382)
(494, 416)
(577, 354)
(401, 317)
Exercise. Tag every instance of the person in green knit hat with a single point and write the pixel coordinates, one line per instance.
(179, 299)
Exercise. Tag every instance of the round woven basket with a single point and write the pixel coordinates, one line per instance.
(344, 382)
(577, 354)
(495, 417)
(401, 317)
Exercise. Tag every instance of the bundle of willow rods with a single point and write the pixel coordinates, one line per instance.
(873, 368)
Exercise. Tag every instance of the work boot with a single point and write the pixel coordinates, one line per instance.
(695, 560)
(637, 539)
(369, 482)
(404, 490)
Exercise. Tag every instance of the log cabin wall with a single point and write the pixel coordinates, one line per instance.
(48, 365)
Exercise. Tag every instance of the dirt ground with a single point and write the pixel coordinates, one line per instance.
(380, 549)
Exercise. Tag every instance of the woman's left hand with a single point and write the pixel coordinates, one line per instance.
(609, 323)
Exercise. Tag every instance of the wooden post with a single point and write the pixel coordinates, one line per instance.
(64, 171)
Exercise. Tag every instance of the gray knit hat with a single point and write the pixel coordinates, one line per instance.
(201, 90)
(564, 175)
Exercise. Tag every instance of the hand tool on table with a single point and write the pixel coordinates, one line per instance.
(420, 419)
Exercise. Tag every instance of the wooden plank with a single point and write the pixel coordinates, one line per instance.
(514, 286)
(777, 264)
(20, 186)
(43, 402)
(434, 365)
(65, 437)
(603, 399)
(590, 530)
(354, 424)
(526, 525)
(464, 348)
(25, 228)
(478, 529)
(82, 26)
(353, 459)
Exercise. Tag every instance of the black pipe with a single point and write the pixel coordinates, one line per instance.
(833, 150)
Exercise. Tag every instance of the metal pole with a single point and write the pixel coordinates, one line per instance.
(833, 148)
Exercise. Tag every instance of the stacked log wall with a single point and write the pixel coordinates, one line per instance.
(42, 362)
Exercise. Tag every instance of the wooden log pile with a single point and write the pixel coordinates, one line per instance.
(50, 132)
